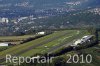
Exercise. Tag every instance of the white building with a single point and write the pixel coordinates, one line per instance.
(83, 40)
(4, 44)
(76, 42)
(41, 33)
(2, 20)
(22, 18)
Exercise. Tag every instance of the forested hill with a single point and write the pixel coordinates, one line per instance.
(76, 19)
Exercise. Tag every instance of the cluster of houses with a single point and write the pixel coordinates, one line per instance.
(83, 40)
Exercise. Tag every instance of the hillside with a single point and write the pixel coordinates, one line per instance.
(84, 18)
(17, 8)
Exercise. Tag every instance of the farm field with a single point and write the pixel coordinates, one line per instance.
(45, 44)
(14, 39)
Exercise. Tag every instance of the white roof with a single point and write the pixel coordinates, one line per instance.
(3, 44)
(41, 32)
(84, 39)
(77, 42)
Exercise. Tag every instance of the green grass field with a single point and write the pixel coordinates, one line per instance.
(14, 39)
(59, 41)
(29, 44)
(44, 44)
